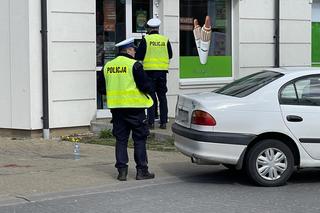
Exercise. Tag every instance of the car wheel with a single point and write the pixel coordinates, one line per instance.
(269, 163)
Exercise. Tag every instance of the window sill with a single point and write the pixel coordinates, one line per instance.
(203, 82)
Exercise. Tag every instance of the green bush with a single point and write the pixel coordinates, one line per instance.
(106, 133)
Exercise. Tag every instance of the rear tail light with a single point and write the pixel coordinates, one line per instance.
(200, 117)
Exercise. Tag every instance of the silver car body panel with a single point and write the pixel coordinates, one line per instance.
(211, 152)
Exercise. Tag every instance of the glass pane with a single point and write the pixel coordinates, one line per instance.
(219, 12)
(205, 38)
(141, 12)
(288, 95)
(309, 91)
(110, 29)
(289, 92)
(301, 87)
(247, 85)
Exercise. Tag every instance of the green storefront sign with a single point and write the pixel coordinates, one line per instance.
(316, 44)
(216, 66)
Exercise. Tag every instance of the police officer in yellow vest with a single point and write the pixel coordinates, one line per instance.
(155, 51)
(127, 88)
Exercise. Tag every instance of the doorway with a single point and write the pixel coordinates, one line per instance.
(117, 20)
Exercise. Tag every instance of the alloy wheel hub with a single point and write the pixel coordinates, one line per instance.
(271, 163)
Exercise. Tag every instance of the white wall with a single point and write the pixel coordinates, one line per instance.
(256, 31)
(295, 32)
(257, 28)
(5, 65)
(14, 65)
(72, 62)
(72, 78)
(35, 64)
(170, 28)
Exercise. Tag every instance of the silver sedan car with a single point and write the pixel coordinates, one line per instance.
(266, 123)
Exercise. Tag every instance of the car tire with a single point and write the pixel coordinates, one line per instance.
(270, 162)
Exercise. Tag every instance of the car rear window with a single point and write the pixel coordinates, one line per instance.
(247, 85)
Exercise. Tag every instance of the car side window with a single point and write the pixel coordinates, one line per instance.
(288, 95)
(311, 92)
(304, 91)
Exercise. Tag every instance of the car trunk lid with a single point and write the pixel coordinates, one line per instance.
(186, 104)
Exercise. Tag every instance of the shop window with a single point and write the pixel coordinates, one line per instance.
(141, 12)
(110, 29)
(205, 39)
(316, 33)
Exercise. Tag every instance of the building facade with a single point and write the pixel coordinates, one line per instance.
(246, 36)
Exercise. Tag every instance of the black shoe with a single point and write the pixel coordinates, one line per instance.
(123, 172)
(163, 126)
(144, 174)
(151, 126)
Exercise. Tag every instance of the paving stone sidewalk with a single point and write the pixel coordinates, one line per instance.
(36, 166)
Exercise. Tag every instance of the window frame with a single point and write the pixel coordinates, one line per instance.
(298, 100)
(214, 81)
(129, 21)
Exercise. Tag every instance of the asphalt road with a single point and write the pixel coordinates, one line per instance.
(213, 189)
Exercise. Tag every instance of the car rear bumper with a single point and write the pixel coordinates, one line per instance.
(210, 147)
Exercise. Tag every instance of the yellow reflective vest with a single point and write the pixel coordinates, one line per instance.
(122, 91)
(157, 57)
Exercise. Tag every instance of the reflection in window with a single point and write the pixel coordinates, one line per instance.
(249, 84)
(219, 12)
(302, 92)
(141, 12)
(205, 39)
(288, 95)
(110, 29)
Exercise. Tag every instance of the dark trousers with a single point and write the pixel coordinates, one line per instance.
(159, 89)
(124, 121)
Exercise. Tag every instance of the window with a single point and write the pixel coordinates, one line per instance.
(305, 91)
(289, 95)
(111, 28)
(141, 13)
(205, 51)
(315, 33)
(247, 85)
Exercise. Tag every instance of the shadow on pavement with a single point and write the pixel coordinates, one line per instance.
(311, 175)
(218, 174)
(215, 174)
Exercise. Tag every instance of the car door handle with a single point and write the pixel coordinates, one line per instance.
(294, 118)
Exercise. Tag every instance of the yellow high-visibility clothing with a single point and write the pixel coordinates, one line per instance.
(122, 91)
(157, 57)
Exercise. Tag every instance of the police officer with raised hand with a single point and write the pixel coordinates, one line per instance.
(155, 51)
(127, 88)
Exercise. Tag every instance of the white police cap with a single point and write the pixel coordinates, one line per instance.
(154, 22)
(126, 43)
